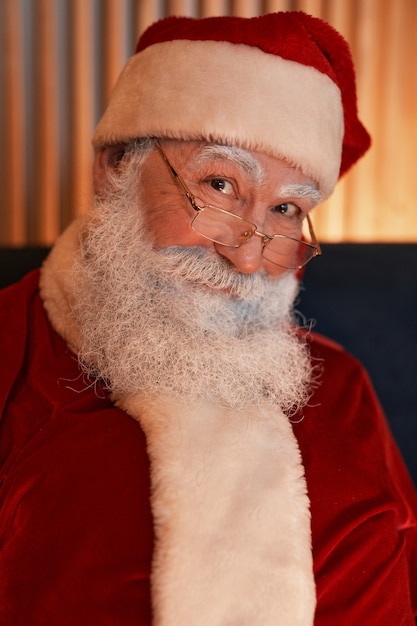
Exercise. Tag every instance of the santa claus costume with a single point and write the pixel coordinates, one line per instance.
(122, 509)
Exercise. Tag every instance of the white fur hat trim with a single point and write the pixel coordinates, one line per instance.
(184, 89)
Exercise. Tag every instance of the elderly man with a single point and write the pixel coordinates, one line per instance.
(174, 450)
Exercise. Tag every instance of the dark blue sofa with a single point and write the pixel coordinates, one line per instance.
(365, 297)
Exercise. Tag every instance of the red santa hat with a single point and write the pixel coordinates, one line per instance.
(281, 83)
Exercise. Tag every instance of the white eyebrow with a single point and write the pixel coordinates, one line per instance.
(235, 154)
(252, 166)
(297, 190)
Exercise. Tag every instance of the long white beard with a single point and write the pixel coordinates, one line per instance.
(182, 321)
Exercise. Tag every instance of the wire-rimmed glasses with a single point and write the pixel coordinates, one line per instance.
(228, 229)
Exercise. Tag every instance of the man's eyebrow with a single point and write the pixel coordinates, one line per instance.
(302, 190)
(235, 155)
(251, 166)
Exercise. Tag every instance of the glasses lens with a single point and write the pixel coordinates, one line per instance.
(287, 252)
(231, 230)
(221, 226)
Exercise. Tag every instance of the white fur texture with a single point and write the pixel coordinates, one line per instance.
(54, 284)
(231, 516)
(230, 93)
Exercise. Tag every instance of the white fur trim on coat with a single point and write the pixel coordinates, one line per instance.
(230, 93)
(54, 286)
(231, 516)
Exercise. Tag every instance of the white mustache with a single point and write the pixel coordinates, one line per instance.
(205, 267)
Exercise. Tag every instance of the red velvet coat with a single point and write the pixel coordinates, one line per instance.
(76, 530)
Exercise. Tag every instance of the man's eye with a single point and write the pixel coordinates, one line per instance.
(289, 209)
(219, 184)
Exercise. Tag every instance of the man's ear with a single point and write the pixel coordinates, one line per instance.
(106, 159)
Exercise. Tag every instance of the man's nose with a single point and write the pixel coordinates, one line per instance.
(248, 259)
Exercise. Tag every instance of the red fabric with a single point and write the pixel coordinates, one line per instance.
(292, 35)
(75, 521)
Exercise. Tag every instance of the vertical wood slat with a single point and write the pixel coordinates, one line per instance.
(407, 112)
(81, 104)
(272, 6)
(210, 8)
(245, 8)
(396, 174)
(361, 201)
(145, 13)
(46, 131)
(178, 7)
(312, 7)
(112, 40)
(14, 224)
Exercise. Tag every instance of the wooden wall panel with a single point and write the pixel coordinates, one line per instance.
(81, 98)
(44, 202)
(12, 139)
(60, 59)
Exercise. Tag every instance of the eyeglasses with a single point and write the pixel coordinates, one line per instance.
(228, 229)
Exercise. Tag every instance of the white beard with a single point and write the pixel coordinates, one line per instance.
(182, 321)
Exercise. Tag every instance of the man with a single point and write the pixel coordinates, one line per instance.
(174, 450)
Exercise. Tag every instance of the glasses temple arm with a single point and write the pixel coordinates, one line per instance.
(177, 177)
(313, 236)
